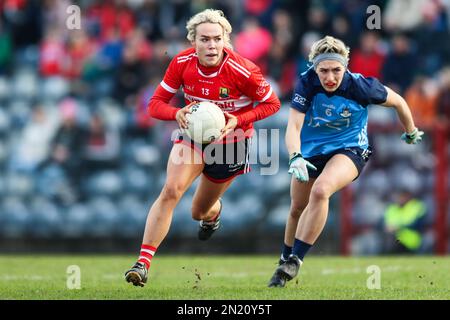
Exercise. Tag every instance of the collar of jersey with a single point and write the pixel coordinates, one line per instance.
(214, 74)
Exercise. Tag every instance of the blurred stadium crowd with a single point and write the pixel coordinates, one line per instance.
(80, 158)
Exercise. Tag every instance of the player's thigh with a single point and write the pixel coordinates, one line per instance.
(207, 193)
(338, 173)
(183, 167)
(300, 193)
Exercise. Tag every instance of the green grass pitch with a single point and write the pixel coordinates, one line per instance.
(214, 277)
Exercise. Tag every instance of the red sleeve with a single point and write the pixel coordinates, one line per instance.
(158, 106)
(259, 90)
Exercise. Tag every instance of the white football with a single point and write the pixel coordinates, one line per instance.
(205, 122)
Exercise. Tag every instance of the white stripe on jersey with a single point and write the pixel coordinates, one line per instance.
(240, 68)
(242, 102)
(185, 58)
(267, 96)
(167, 87)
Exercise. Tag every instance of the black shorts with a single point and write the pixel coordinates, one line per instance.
(357, 155)
(223, 162)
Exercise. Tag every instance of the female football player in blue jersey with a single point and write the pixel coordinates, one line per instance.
(326, 137)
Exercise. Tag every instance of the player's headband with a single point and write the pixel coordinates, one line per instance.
(329, 56)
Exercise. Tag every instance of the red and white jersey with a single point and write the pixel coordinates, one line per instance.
(235, 86)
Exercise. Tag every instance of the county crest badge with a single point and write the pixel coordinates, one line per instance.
(224, 93)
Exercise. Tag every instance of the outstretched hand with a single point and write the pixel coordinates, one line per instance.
(413, 137)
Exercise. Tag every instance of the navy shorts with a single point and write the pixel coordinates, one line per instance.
(223, 162)
(357, 155)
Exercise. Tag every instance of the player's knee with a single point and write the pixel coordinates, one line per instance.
(172, 192)
(296, 210)
(320, 191)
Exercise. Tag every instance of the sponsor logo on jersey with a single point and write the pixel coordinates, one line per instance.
(345, 113)
(235, 166)
(299, 99)
(224, 93)
(262, 88)
(226, 106)
(205, 81)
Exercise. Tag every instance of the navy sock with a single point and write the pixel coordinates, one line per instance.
(300, 248)
(286, 252)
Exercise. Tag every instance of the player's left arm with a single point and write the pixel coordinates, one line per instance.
(260, 91)
(412, 134)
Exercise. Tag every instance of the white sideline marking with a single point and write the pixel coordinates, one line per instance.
(329, 271)
(26, 277)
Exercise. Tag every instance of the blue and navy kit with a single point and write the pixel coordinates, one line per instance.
(335, 120)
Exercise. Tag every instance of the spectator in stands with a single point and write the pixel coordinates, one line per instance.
(132, 71)
(307, 41)
(368, 59)
(5, 50)
(33, 146)
(101, 146)
(340, 27)
(421, 96)
(281, 69)
(138, 121)
(403, 15)
(111, 17)
(404, 223)
(318, 19)
(66, 145)
(443, 100)
(80, 49)
(400, 66)
(52, 54)
(281, 63)
(254, 42)
(23, 19)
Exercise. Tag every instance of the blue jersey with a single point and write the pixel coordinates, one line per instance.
(335, 120)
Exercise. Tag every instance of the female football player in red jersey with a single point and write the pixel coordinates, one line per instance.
(209, 71)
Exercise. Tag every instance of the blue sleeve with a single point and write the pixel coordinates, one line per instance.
(369, 91)
(301, 99)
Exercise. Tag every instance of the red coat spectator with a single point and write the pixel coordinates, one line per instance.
(52, 54)
(80, 49)
(368, 59)
(254, 42)
(111, 17)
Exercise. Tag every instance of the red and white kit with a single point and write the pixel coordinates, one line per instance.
(235, 86)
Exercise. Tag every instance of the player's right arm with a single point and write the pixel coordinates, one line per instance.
(159, 107)
(293, 130)
(300, 104)
(298, 166)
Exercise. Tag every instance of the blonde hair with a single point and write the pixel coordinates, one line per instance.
(329, 44)
(209, 16)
